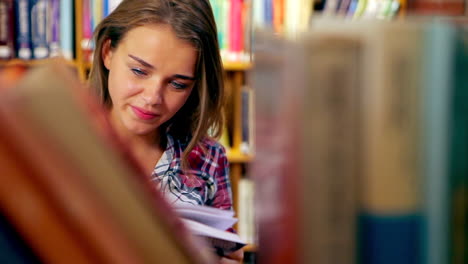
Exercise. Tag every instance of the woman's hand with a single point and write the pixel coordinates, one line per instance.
(233, 258)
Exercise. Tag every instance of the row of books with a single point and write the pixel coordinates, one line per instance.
(36, 29)
(361, 143)
(233, 21)
(388, 9)
(364, 9)
(93, 12)
(71, 190)
(283, 16)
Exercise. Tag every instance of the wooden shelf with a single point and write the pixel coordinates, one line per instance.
(237, 66)
(28, 63)
(235, 156)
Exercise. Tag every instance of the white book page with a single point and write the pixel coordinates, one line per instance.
(207, 231)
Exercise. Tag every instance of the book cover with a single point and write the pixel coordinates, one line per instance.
(458, 157)
(23, 29)
(7, 29)
(330, 160)
(39, 28)
(54, 27)
(67, 31)
(276, 205)
(87, 30)
(437, 98)
(390, 220)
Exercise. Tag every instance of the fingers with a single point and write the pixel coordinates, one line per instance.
(237, 255)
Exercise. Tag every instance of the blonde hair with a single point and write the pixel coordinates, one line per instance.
(192, 21)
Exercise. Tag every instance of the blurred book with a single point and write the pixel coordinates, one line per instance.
(246, 226)
(361, 143)
(75, 179)
(7, 29)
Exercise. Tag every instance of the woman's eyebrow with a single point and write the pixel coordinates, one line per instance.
(146, 64)
(184, 77)
(142, 62)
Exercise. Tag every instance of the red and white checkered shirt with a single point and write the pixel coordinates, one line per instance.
(208, 180)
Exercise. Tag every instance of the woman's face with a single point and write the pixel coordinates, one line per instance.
(151, 75)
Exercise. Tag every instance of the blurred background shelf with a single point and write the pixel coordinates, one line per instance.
(28, 63)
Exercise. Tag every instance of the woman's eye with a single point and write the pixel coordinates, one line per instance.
(178, 85)
(138, 72)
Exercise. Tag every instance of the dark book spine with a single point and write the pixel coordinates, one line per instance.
(39, 28)
(6, 29)
(54, 47)
(23, 29)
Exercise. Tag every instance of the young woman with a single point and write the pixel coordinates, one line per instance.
(158, 70)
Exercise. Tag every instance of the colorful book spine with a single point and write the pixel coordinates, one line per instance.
(235, 29)
(268, 13)
(390, 221)
(54, 22)
(87, 30)
(67, 29)
(23, 29)
(458, 159)
(110, 5)
(245, 98)
(6, 29)
(258, 14)
(39, 29)
(224, 26)
(436, 112)
(97, 7)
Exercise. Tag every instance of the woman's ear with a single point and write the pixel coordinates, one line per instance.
(106, 53)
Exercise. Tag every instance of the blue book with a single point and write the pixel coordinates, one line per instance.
(39, 28)
(66, 28)
(23, 29)
(54, 30)
(268, 13)
(390, 221)
(439, 55)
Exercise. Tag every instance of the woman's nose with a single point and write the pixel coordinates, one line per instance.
(153, 93)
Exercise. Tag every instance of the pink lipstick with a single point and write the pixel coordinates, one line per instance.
(143, 114)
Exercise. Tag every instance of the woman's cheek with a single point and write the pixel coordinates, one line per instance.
(132, 88)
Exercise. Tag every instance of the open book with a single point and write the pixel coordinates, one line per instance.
(211, 223)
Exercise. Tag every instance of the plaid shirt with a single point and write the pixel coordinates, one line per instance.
(208, 180)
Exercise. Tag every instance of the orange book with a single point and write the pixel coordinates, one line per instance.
(278, 15)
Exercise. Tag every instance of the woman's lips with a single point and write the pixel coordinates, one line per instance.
(143, 114)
